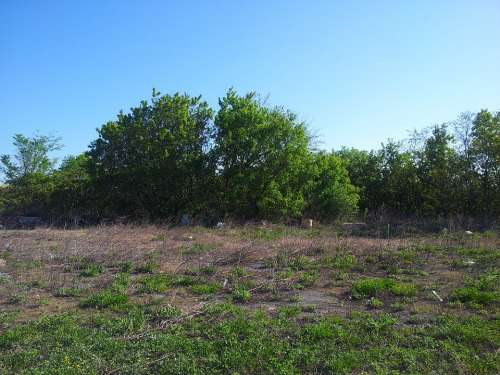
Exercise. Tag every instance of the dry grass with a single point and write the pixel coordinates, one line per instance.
(279, 266)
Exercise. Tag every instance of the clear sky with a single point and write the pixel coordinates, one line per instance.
(358, 72)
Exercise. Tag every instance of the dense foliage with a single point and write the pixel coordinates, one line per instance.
(175, 156)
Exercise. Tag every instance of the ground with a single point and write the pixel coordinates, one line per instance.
(245, 300)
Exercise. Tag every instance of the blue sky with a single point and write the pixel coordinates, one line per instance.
(358, 72)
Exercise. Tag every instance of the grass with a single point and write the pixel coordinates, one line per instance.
(148, 267)
(92, 270)
(105, 299)
(341, 261)
(241, 294)
(155, 283)
(481, 291)
(372, 287)
(209, 288)
(296, 301)
(69, 292)
(225, 339)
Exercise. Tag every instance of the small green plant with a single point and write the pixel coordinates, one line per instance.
(301, 263)
(208, 270)
(165, 312)
(184, 280)
(121, 283)
(403, 289)
(91, 270)
(18, 298)
(69, 292)
(371, 287)
(126, 266)
(397, 306)
(159, 237)
(241, 294)
(148, 267)
(239, 272)
(198, 248)
(341, 261)
(105, 299)
(155, 283)
(481, 291)
(375, 303)
(209, 288)
(307, 279)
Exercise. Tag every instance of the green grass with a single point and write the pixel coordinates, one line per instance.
(148, 267)
(224, 339)
(155, 283)
(341, 261)
(105, 299)
(372, 287)
(69, 292)
(484, 290)
(91, 270)
(241, 294)
(308, 279)
(198, 248)
(209, 288)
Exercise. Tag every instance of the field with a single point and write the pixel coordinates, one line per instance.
(247, 300)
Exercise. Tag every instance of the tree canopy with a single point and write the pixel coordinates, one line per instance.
(174, 155)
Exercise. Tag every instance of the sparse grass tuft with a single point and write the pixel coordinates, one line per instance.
(105, 299)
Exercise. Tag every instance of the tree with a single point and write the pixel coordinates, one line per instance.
(486, 154)
(363, 168)
(72, 196)
(261, 155)
(31, 157)
(151, 161)
(329, 193)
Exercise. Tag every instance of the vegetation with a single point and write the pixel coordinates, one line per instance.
(401, 306)
(267, 298)
(175, 156)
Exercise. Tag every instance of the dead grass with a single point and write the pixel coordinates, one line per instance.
(276, 265)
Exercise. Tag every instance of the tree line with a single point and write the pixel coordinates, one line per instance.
(174, 155)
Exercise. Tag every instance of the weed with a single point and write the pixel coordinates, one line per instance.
(69, 292)
(105, 299)
(208, 270)
(241, 294)
(341, 261)
(165, 312)
(197, 248)
(209, 288)
(148, 267)
(371, 287)
(238, 272)
(301, 263)
(126, 266)
(121, 283)
(91, 270)
(375, 303)
(155, 283)
(307, 279)
(18, 298)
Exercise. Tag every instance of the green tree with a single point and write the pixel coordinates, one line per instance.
(486, 153)
(31, 157)
(261, 155)
(152, 161)
(72, 196)
(330, 193)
